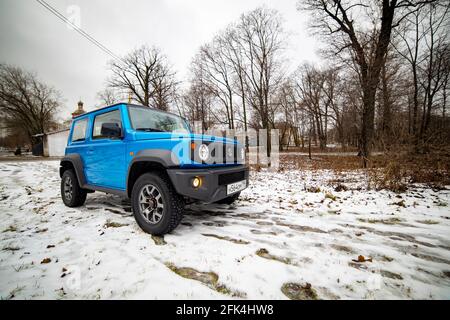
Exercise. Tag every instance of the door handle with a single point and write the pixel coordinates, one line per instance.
(90, 151)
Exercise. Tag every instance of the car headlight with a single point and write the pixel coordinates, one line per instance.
(203, 152)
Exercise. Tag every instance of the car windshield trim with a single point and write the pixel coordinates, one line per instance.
(174, 122)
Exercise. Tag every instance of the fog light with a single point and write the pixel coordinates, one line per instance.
(196, 182)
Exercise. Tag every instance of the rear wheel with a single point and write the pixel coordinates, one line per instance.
(230, 199)
(71, 192)
(157, 208)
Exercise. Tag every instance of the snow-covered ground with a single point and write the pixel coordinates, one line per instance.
(292, 234)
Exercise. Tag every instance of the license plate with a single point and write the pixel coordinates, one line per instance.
(237, 186)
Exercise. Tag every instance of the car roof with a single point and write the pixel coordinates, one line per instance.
(127, 104)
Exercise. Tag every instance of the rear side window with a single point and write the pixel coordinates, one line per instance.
(79, 130)
(108, 117)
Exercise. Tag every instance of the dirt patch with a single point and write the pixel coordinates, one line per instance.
(237, 241)
(210, 279)
(296, 291)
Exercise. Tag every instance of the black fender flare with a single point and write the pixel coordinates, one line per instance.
(77, 163)
(165, 158)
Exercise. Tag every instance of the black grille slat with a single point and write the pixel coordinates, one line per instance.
(227, 178)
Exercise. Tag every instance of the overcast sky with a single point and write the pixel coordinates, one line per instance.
(34, 39)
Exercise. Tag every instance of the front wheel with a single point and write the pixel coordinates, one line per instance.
(71, 192)
(157, 208)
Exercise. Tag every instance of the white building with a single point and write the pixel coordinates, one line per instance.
(55, 143)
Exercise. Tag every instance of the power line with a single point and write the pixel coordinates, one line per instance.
(78, 29)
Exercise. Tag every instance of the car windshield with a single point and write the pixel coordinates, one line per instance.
(151, 120)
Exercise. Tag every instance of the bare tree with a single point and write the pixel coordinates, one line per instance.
(424, 46)
(363, 31)
(108, 97)
(25, 102)
(437, 60)
(147, 75)
(198, 99)
(310, 89)
(260, 34)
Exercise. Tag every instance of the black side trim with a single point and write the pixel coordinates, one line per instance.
(107, 190)
(77, 163)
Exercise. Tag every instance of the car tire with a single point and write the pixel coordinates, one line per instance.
(230, 199)
(71, 192)
(157, 208)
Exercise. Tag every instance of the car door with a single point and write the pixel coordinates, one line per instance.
(105, 156)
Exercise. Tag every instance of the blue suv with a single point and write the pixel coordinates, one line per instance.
(151, 157)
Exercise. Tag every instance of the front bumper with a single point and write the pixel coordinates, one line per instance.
(214, 181)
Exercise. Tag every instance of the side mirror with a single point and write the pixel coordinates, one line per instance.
(111, 130)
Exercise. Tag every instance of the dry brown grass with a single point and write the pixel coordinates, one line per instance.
(394, 170)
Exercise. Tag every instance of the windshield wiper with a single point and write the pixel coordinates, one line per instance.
(150, 130)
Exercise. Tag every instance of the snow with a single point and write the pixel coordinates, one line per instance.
(407, 237)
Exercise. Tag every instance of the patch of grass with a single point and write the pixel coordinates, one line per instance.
(313, 189)
(237, 241)
(14, 292)
(389, 221)
(10, 229)
(264, 253)
(296, 291)
(391, 177)
(400, 203)
(387, 258)
(342, 248)
(112, 224)
(210, 279)
(41, 230)
(11, 248)
(428, 221)
(340, 187)
(329, 195)
(159, 241)
(391, 275)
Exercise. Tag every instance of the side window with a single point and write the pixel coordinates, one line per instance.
(79, 130)
(108, 117)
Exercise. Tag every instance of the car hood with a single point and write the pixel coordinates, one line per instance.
(142, 135)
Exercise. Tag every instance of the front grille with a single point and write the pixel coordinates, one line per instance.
(227, 178)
